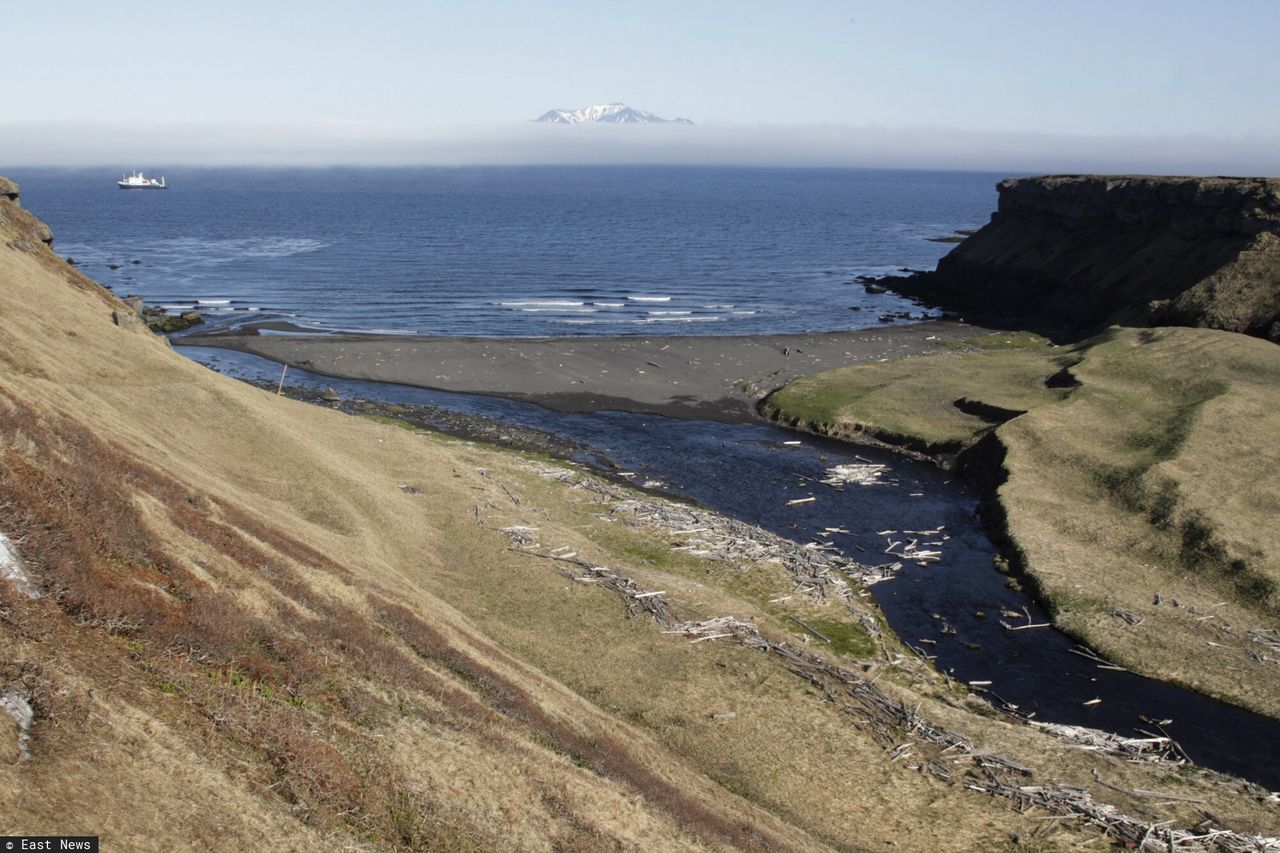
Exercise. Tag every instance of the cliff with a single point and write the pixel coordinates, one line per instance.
(1089, 249)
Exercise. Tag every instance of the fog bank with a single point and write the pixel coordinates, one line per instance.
(131, 145)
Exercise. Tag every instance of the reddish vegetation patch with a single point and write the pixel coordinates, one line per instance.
(277, 690)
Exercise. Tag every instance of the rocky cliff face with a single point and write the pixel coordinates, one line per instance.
(1088, 249)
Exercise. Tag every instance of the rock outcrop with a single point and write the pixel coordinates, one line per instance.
(1088, 249)
(30, 230)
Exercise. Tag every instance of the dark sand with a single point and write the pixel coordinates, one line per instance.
(708, 377)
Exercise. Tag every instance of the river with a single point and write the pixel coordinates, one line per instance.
(951, 609)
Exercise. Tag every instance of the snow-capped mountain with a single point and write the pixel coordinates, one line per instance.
(607, 114)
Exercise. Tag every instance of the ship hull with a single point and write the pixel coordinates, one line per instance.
(141, 186)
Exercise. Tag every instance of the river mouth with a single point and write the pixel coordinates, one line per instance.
(945, 596)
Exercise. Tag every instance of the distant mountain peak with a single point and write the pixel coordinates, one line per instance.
(607, 114)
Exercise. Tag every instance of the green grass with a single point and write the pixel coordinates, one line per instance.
(1154, 473)
(912, 401)
(1004, 342)
(846, 638)
(1167, 430)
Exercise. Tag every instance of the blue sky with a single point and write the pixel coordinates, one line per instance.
(386, 72)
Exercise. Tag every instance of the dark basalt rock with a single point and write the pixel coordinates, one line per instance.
(1086, 250)
(160, 320)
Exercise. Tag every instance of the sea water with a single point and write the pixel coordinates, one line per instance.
(515, 251)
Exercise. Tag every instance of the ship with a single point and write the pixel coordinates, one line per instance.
(138, 181)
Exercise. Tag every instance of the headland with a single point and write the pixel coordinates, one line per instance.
(1072, 252)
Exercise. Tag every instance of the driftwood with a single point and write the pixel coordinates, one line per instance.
(861, 473)
(1131, 832)
(1160, 750)
(910, 737)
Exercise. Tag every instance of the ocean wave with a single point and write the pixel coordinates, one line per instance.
(707, 319)
(550, 303)
(610, 304)
(648, 298)
(669, 313)
(559, 310)
(213, 301)
(577, 322)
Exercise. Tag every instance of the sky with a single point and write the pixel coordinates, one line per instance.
(912, 82)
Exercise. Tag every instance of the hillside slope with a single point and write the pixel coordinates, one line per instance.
(242, 621)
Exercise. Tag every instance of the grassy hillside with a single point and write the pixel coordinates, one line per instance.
(258, 620)
(1139, 478)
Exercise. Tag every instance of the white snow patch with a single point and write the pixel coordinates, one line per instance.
(20, 709)
(13, 571)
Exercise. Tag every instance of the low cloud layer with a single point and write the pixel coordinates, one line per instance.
(150, 146)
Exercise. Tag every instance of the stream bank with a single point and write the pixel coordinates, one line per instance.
(950, 608)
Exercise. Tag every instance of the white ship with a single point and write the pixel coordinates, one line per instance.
(138, 181)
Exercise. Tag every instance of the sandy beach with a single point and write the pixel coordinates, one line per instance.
(710, 377)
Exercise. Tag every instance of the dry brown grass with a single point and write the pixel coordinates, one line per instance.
(278, 692)
(261, 686)
(251, 633)
(599, 753)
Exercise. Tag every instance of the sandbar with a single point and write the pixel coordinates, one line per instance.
(707, 377)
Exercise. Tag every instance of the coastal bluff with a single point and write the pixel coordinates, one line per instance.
(1136, 250)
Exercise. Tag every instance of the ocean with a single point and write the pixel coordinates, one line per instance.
(514, 251)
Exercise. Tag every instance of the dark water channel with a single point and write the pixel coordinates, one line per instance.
(950, 609)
